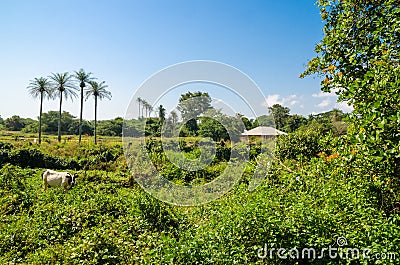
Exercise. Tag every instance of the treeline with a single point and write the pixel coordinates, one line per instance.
(331, 121)
(69, 125)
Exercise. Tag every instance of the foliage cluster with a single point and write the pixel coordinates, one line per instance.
(359, 58)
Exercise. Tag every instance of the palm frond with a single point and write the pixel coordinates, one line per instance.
(38, 86)
(83, 77)
(98, 90)
(64, 83)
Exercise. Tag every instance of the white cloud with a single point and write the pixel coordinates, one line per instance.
(324, 94)
(324, 103)
(277, 99)
(272, 99)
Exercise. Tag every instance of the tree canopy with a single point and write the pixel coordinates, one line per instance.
(358, 58)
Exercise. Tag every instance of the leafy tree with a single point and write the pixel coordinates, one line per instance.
(280, 114)
(73, 127)
(40, 87)
(98, 91)
(359, 58)
(83, 78)
(111, 127)
(264, 120)
(293, 122)
(247, 123)
(30, 126)
(210, 126)
(63, 84)
(14, 123)
(50, 122)
(191, 106)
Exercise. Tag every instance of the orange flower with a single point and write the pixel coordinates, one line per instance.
(331, 157)
(331, 67)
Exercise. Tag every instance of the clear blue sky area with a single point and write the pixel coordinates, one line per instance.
(125, 42)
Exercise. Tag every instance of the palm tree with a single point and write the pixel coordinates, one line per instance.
(83, 78)
(40, 87)
(144, 106)
(139, 100)
(98, 90)
(63, 83)
(149, 109)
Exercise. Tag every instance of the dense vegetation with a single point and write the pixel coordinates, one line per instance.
(332, 176)
(305, 201)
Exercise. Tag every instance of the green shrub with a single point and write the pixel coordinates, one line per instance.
(301, 144)
(14, 196)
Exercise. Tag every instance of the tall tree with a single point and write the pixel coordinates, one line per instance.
(143, 106)
(359, 57)
(280, 114)
(62, 84)
(293, 122)
(40, 87)
(98, 91)
(14, 123)
(82, 78)
(192, 106)
(161, 113)
(149, 109)
(139, 101)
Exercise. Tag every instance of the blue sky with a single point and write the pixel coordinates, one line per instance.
(125, 42)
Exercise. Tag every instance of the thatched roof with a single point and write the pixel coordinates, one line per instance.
(263, 131)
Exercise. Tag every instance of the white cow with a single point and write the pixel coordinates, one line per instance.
(57, 179)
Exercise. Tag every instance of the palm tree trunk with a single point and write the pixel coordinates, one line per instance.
(59, 118)
(95, 120)
(80, 117)
(40, 118)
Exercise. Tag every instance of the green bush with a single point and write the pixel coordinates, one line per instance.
(301, 144)
(14, 195)
(34, 158)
